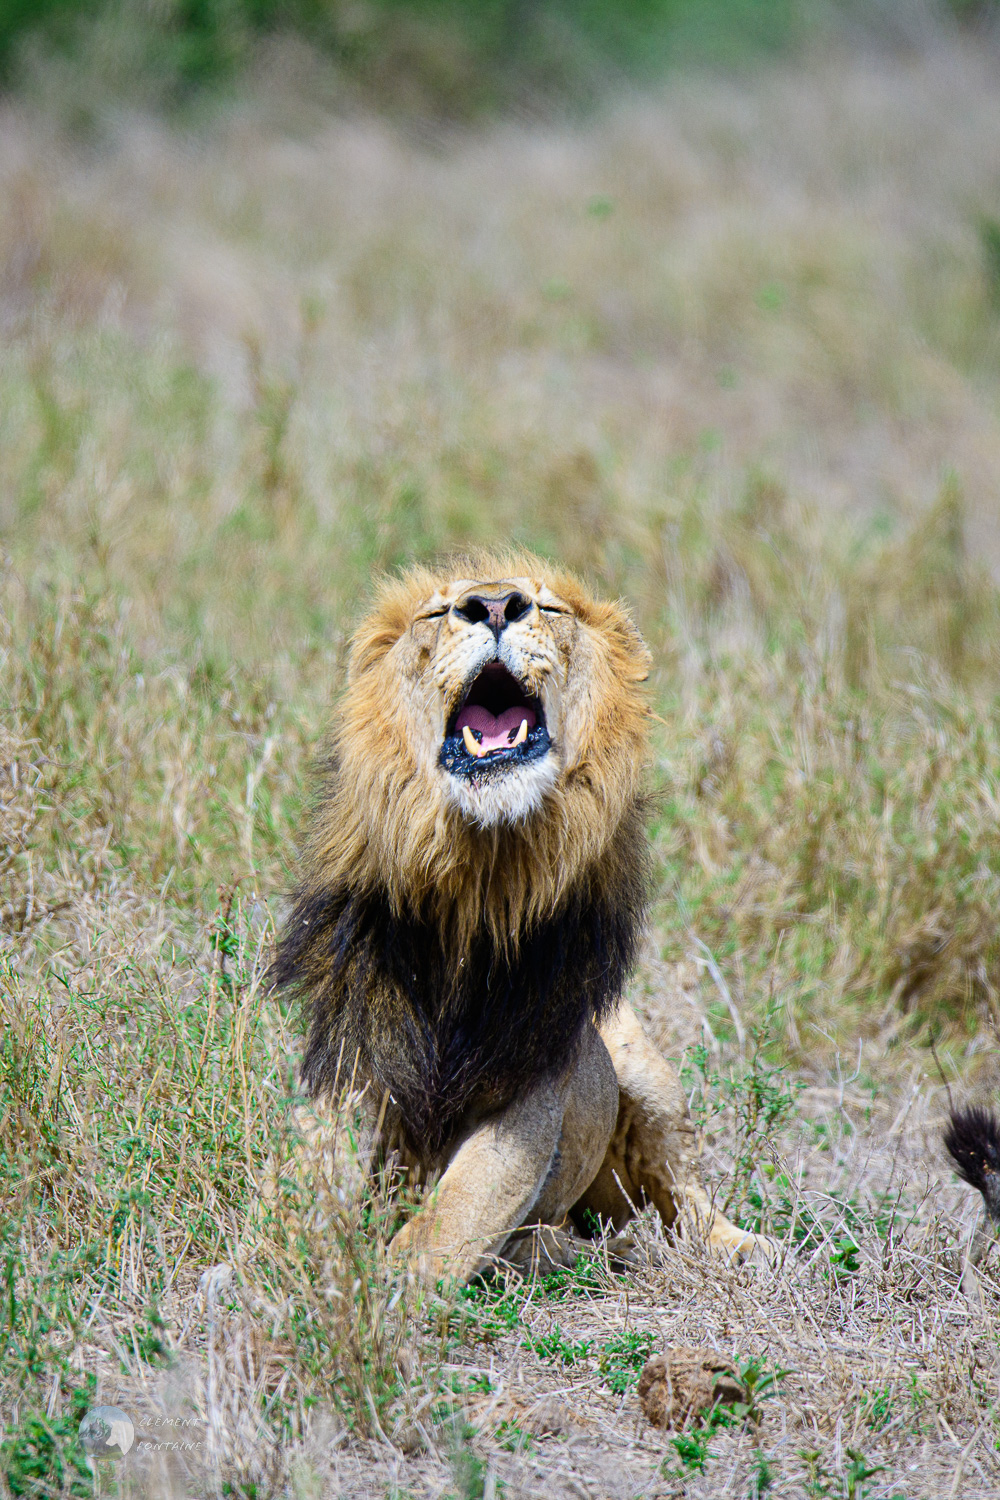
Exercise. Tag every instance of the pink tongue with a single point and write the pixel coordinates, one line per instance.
(494, 732)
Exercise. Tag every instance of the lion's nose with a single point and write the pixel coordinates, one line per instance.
(496, 611)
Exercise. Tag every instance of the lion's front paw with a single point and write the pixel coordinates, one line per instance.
(723, 1238)
(408, 1251)
(543, 1249)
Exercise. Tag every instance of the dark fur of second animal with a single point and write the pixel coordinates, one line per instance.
(444, 1033)
(972, 1140)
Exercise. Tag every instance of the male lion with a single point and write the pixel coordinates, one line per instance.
(474, 887)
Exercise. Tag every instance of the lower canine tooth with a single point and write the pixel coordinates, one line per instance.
(522, 734)
(471, 744)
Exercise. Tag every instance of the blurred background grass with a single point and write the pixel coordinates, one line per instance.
(702, 299)
(452, 57)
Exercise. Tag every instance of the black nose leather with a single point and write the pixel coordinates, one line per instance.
(496, 611)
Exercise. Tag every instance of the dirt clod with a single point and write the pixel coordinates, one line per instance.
(684, 1382)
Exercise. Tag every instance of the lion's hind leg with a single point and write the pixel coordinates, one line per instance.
(653, 1154)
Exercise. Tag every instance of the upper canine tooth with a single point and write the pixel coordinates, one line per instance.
(471, 744)
(522, 734)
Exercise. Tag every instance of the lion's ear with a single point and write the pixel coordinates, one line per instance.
(394, 604)
(370, 644)
(634, 656)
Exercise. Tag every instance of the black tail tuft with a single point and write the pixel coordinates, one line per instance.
(972, 1140)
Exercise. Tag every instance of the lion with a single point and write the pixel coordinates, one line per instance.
(474, 888)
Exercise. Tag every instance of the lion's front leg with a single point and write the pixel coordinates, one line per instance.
(486, 1191)
(653, 1153)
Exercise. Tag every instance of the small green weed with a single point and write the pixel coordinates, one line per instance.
(773, 1205)
(818, 1480)
(555, 1347)
(512, 1436)
(691, 1448)
(844, 1256)
(919, 1399)
(761, 1476)
(490, 1308)
(467, 1468)
(821, 1483)
(755, 1097)
(226, 947)
(486, 1311)
(584, 1279)
(858, 1473)
(760, 1384)
(878, 1407)
(622, 1358)
(468, 1471)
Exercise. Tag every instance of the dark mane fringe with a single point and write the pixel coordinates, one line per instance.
(972, 1140)
(443, 1037)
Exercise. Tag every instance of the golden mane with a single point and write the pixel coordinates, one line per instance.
(382, 821)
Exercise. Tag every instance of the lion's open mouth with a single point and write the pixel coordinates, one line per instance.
(496, 726)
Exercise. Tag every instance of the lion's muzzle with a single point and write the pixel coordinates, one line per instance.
(497, 727)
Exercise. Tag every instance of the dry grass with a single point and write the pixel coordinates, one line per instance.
(735, 353)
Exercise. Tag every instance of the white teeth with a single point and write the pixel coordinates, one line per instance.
(471, 743)
(475, 748)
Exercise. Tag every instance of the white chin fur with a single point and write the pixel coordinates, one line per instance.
(505, 799)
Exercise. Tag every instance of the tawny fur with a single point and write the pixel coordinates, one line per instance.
(464, 926)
